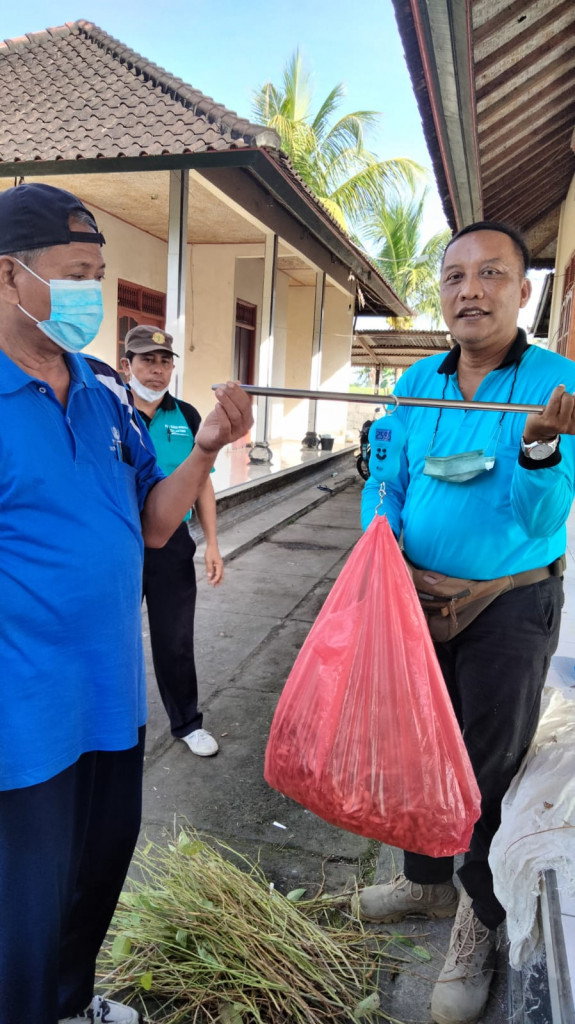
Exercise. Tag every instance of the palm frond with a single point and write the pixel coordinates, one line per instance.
(320, 123)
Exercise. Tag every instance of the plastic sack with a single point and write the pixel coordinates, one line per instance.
(364, 734)
(537, 828)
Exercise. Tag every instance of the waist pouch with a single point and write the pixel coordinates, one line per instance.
(450, 604)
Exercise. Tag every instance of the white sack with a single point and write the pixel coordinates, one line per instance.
(537, 829)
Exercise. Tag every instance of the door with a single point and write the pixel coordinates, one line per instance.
(244, 351)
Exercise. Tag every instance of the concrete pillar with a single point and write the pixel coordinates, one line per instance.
(266, 351)
(315, 373)
(176, 272)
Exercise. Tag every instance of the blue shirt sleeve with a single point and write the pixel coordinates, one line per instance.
(541, 498)
(395, 490)
(142, 455)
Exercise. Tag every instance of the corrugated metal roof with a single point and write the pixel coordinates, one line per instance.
(396, 348)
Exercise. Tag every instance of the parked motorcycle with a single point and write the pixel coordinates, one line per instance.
(362, 457)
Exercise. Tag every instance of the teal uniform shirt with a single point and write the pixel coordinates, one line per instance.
(173, 429)
(505, 521)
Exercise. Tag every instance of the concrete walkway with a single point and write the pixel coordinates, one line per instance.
(248, 633)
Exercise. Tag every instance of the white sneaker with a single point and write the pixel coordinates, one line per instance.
(105, 1011)
(201, 742)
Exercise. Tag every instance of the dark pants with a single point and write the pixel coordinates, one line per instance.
(169, 586)
(495, 670)
(65, 848)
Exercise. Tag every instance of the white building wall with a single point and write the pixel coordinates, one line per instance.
(131, 255)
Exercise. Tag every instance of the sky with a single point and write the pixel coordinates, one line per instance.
(228, 48)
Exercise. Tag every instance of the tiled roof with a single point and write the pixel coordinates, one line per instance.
(74, 92)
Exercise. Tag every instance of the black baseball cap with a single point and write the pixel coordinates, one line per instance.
(37, 216)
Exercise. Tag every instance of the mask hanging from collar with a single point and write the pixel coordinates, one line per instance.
(458, 469)
(464, 466)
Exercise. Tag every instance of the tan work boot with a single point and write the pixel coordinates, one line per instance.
(462, 989)
(400, 898)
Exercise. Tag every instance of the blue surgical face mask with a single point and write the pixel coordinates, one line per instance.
(457, 469)
(76, 312)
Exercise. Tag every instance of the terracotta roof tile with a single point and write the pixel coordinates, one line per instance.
(74, 92)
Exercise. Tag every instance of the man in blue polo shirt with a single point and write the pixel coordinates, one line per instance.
(80, 494)
(482, 495)
(169, 582)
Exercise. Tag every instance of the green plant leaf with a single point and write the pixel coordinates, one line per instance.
(188, 846)
(205, 955)
(121, 947)
(208, 904)
(182, 937)
(146, 981)
(367, 1005)
(295, 895)
(231, 1013)
(421, 953)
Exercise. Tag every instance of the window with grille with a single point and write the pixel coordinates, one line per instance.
(137, 305)
(246, 314)
(245, 340)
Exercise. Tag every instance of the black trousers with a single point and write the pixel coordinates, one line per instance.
(495, 670)
(169, 586)
(65, 848)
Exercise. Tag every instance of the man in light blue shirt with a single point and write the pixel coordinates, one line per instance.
(482, 495)
(80, 494)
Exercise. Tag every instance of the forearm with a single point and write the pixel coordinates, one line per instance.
(205, 508)
(169, 501)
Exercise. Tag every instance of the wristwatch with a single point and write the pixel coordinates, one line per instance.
(539, 450)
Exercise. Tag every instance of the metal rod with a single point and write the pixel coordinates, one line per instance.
(387, 399)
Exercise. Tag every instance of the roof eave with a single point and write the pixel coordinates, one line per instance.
(441, 70)
(270, 172)
(381, 299)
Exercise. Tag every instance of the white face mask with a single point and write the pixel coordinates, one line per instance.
(146, 394)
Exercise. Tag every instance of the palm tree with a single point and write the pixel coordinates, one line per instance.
(328, 154)
(412, 268)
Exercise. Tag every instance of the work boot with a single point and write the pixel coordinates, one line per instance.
(401, 898)
(462, 989)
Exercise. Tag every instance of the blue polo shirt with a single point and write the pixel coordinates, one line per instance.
(507, 520)
(72, 484)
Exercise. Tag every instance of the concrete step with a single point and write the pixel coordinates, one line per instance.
(249, 513)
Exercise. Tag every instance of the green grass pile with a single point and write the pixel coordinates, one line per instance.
(202, 940)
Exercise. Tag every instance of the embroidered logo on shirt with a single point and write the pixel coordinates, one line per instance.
(178, 429)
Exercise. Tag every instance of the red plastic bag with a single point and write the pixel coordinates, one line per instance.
(364, 734)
